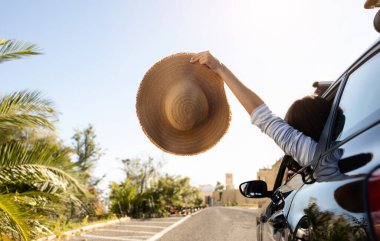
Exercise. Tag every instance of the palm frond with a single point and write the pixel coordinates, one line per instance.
(12, 49)
(16, 121)
(45, 205)
(17, 153)
(44, 178)
(27, 102)
(26, 109)
(56, 201)
(38, 165)
(13, 219)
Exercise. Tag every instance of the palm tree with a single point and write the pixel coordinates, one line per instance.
(22, 109)
(13, 224)
(33, 169)
(38, 166)
(30, 168)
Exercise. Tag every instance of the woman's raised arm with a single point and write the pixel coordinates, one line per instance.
(246, 97)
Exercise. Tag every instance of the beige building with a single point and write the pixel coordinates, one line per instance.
(206, 192)
(269, 174)
(229, 181)
(234, 197)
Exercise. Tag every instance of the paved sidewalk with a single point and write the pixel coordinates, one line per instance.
(134, 230)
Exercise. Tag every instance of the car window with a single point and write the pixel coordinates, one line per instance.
(360, 103)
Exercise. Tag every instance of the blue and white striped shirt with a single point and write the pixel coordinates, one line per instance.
(295, 143)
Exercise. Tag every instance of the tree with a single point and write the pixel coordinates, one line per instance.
(88, 153)
(123, 197)
(174, 191)
(166, 193)
(133, 196)
(146, 193)
(32, 172)
(21, 112)
(141, 172)
(219, 188)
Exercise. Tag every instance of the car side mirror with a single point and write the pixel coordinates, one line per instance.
(254, 189)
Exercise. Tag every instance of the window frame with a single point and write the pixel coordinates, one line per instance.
(338, 100)
(336, 91)
(361, 125)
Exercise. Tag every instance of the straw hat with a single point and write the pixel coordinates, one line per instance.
(182, 107)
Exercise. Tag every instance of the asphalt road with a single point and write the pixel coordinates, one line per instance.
(211, 224)
(216, 224)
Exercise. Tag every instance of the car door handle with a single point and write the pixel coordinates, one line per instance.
(277, 220)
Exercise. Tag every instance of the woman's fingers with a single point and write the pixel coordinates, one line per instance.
(206, 59)
(194, 59)
(201, 59)
(198, 56)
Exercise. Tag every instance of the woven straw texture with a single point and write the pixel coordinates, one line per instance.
(182, 107)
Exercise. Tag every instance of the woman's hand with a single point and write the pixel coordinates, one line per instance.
(207, 59)
(247, 98)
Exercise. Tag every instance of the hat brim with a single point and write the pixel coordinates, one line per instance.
(151, 113)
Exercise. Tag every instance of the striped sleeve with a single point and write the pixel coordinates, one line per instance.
(290, 140)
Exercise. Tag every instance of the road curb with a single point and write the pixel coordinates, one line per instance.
(70, 233)
(197, 212)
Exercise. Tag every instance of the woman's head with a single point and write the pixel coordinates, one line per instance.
(309, 115)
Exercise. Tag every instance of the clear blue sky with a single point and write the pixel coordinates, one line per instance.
(97, 52)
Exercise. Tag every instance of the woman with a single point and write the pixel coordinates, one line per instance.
(298, 134)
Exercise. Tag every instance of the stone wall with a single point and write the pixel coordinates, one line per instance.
(234, 197)
(269, 174)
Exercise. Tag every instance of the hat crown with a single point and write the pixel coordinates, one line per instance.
(182, 107)
(186, 105)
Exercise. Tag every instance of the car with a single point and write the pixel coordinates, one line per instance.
(305, 206)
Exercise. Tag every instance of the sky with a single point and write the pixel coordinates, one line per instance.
(95, 54)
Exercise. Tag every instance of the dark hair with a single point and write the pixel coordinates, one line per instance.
(309, 115)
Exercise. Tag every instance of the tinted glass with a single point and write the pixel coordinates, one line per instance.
(360, 101)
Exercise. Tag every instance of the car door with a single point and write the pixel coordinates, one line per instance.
(334, 207)
(271, 221)
(266, 231)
